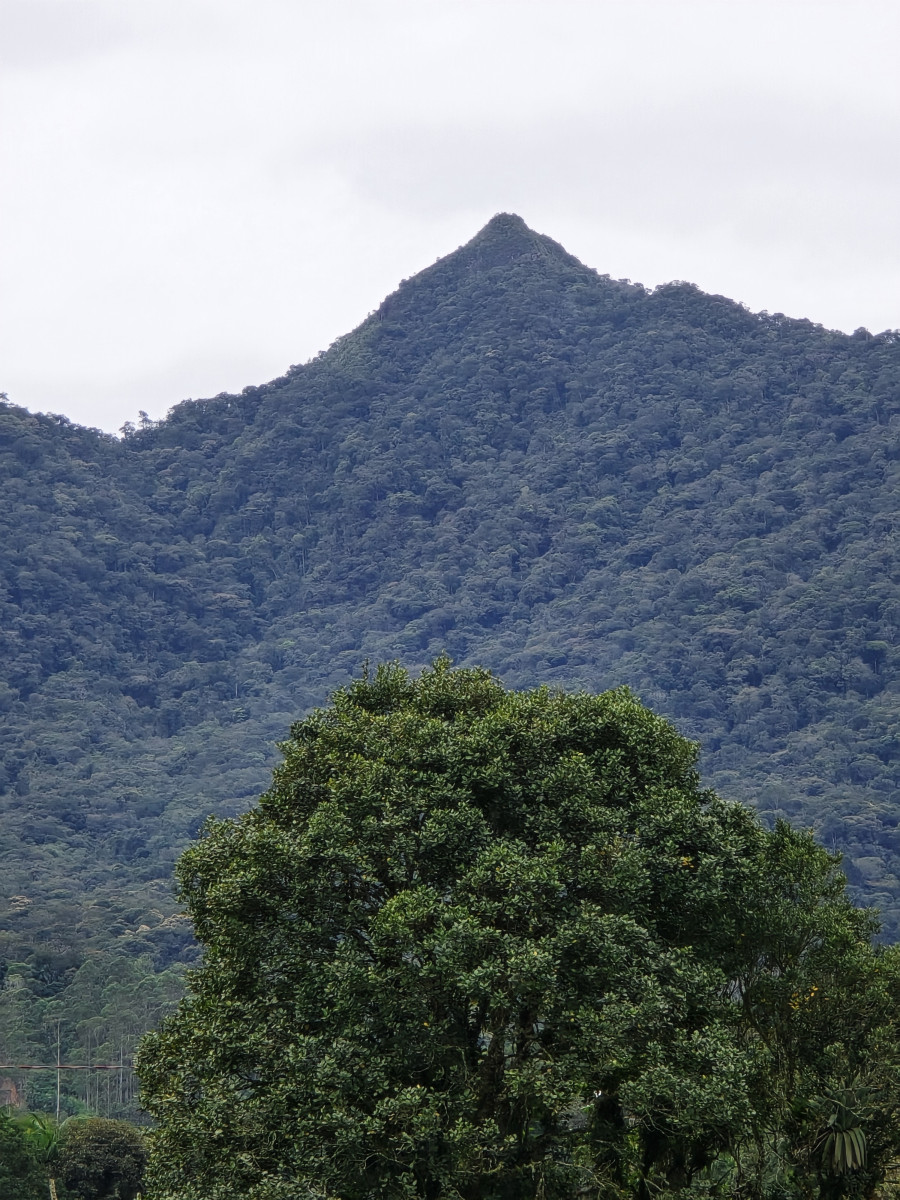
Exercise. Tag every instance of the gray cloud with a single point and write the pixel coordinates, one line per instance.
(43, 33)
(195, 190)
(677, 161)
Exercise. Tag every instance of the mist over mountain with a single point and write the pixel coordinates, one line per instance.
(567, 478)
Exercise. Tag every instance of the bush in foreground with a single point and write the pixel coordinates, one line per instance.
(20, 1174)
(99, 1159)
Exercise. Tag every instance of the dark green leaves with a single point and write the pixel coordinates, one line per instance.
(478, 942)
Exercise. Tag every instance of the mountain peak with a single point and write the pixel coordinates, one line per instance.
(505, 229)
(504, 242)
(506, 238)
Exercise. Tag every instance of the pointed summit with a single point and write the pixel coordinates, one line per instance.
(507, 239)
(505, 244)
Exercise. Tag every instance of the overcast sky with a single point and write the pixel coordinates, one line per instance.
(198, 193)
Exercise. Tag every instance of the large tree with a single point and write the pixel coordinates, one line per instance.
(475, 943)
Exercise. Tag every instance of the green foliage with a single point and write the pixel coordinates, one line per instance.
(100, 1007)
(101, 1160)
(566, 477)
(491, 944)
(42, 1133)
(20, 1175)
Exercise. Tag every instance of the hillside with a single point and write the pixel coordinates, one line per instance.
(567, 478)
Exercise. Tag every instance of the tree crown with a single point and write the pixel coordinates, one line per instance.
(482, 943)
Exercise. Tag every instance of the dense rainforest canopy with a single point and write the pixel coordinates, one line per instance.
(496, 946)
(568, 478)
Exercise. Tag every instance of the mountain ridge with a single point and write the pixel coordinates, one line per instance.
(570, 479)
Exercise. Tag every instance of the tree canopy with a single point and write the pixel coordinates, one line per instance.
(100, 1159)
(494, 944)
(567, 478)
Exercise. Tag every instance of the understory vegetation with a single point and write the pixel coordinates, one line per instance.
(85, 1159)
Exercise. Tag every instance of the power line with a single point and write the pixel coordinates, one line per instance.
(66, 1066)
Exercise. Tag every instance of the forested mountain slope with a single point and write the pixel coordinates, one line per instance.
(564, 477)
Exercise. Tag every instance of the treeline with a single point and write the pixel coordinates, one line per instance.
(90, 1011)
(565, 477)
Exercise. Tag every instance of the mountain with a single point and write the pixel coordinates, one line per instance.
(568, 478)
